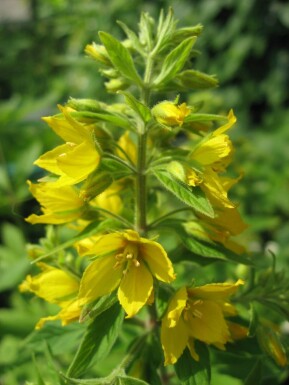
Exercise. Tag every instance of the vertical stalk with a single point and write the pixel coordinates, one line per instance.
(141, 193)
(141, 184)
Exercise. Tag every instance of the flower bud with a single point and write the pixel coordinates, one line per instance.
(170, 114)
(115, 85)
(98, 53)
(95, 184)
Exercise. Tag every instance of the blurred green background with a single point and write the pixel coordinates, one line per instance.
(42, 63)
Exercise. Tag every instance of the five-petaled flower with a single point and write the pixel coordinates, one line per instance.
(126, 260)
(197, 314)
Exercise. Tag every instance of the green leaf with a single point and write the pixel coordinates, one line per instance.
(114, 119)
(132, 37)
(120, 57)
(175, 61)
(194, 198)
(60, 339)
(191, 372)
(255, 375)
(196, 79)
(98, 307)
(212, 250)
(98, 340)
(127, 380)
(142, 110)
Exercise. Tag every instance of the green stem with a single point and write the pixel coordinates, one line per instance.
(141, 185)
(141, 193)
(119, 160)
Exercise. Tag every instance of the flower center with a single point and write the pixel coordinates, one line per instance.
(128, 257)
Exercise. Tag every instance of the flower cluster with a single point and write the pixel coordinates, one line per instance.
(129, 174)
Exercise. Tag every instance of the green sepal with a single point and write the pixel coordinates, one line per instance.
(174, 61)
(98, 340)
(120, 57)
(90, 105)
(95, 184)
(142, 110)
(194, 198)
(191, 372)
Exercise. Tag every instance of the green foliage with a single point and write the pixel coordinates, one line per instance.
(252, 68)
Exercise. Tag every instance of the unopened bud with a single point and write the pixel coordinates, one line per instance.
(98, 53)
(94, 185)
(170, 114)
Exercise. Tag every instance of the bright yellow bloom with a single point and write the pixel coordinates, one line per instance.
(77, 158)
(59, 205)
(128, 261)
(58, 287)
(213, 154)
(197, 313)
(170, 114)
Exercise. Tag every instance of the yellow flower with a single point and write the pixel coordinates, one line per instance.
(197, 313)
(128, 261)
(59, 205)
(77, 158)
(58, 287)
(170, 114)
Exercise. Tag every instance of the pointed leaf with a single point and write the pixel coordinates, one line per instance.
(204, 118)
(132, 37)
(120, 57)
(213, 250)
(127, 380)
(196, 79)
(191, 372)
(255, 375)
(194, 198)
(175, 61)
(142, 110)
(98, 340)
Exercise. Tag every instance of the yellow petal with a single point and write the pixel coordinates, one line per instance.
(191, 346)
(68, 314)
(231, 121)
(206, 322)
(213, 150)
(103, 244)
(48, 160)
(52, 284)
(215, 291)
(175, 308)
(174, 341)
(135, 289)
(156, 258)
(99, 278)
(213, 188)
(79, 161)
